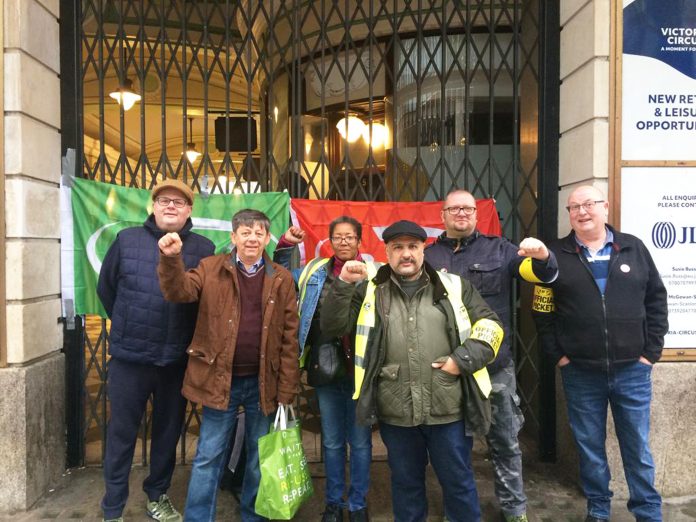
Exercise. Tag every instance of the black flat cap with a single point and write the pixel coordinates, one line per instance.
(404, 228)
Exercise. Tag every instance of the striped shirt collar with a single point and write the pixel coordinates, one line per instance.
(608, 242)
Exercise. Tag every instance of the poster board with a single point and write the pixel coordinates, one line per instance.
(659, 80)
(662, 215)
(654, 182)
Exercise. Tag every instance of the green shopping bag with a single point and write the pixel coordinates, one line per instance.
(285, 479)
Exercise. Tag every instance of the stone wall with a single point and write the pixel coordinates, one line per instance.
(32, 431)
(584, 99)
(32, 441)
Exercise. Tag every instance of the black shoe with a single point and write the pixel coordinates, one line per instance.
(358, 516)
(595, 519)
(333, 513)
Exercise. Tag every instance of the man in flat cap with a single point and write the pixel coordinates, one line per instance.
(422, 342)
(149, 337)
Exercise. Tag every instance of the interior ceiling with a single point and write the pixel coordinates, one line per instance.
(214, 32)
(153, 48)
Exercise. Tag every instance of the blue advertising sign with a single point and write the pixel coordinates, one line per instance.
(659, 80)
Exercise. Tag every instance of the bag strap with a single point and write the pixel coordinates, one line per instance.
(283, 416)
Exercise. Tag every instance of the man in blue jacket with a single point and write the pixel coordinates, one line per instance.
(148, 342)
(603, 322)
(491, 264)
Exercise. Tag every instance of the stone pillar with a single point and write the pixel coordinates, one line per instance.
(32, 427)
(584, 111)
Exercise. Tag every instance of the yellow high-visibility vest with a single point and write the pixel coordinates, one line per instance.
(484, 330)
(307, 272)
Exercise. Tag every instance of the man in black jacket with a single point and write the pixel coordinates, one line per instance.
(603, 323)
(491, 264)
(148, 342)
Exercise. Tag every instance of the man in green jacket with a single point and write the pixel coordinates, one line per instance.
(423, 340)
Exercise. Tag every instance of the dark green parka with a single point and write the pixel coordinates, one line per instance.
(421, 393)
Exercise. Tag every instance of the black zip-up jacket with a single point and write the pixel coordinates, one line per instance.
(598, 331)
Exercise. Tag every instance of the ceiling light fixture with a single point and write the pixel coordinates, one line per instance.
(379, 135)
(191, 153)
(350, 128)
(125, 96)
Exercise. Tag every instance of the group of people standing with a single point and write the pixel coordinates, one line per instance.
(424, 338)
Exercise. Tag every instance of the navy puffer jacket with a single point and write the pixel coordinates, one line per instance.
(145, 328)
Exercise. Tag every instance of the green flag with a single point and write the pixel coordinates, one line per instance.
(101, 210)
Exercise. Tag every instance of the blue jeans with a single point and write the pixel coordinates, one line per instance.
(628, 390)
(506, 455)
(338, 428)
(216, 431)
(449, 449)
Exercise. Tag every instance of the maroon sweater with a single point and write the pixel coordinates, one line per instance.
(246, 354)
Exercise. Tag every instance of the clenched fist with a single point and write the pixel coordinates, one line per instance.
(170, 244)
(353, 271)
(294, 235)
(532, 247)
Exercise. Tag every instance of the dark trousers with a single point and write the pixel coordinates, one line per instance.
(449, 450)
(129, 386)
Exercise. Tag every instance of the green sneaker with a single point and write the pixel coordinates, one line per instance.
(119, 519)
(163, 510)
(514, 518)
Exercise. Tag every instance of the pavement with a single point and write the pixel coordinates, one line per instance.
(552, 498)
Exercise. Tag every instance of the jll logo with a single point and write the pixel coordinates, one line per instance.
(664, 235)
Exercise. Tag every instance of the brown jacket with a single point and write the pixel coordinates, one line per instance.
(215, 285)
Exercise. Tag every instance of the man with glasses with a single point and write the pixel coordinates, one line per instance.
(148, 342)
(243, 352)
(491, 264)
(336, 404)
(603, 323)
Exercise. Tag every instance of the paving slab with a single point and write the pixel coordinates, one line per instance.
(552, 498)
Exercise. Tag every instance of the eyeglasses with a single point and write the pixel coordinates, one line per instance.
(453, 211)
(178, 203)
(587, 205)
(349, 240)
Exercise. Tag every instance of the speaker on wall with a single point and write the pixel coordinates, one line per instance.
(241, 135)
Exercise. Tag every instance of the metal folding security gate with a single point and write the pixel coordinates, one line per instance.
(357, 100)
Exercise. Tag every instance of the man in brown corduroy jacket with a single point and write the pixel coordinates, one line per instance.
(243, 353)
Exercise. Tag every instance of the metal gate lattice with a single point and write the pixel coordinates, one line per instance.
(446, 93)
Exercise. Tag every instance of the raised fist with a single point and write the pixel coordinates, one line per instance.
(294, 235)
(353, 271)
(532, 247)
(170, 244)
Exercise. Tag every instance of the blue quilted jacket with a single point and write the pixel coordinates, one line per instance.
(145, 328)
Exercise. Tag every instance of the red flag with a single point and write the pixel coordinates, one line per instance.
(314, 216)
